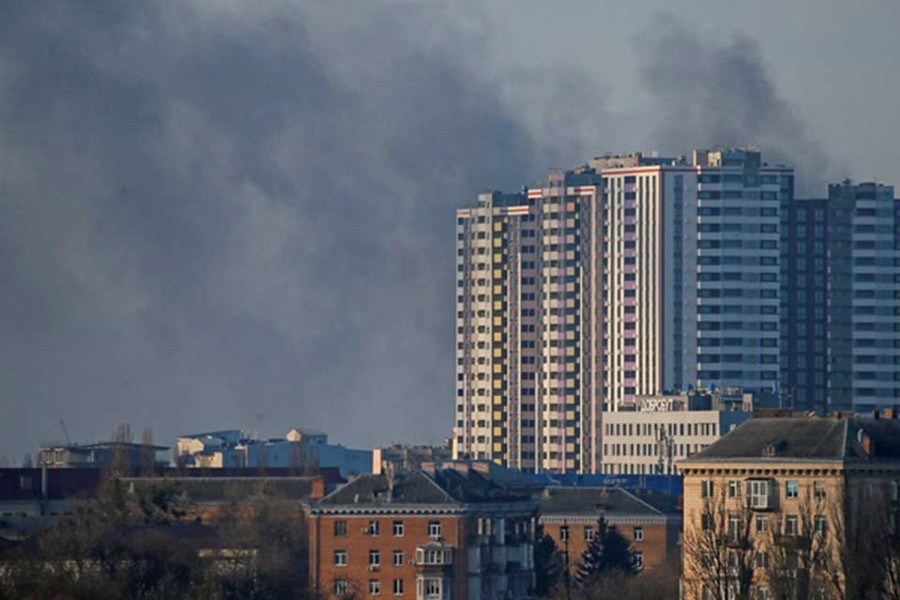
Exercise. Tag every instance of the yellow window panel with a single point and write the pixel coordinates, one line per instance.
(570, 367)
(498, 305)
(498, 416)
(570, 335)
(570, 271)
(570, 319)
(570, 255)
(570, 351)
(498, 274)
(498, 352)
(570, 207)
(570, 398)
(570, 239)
(570, 222)
(498, 321)
(498, 226)
(498, 242)
(570, 414)
(498, 432)
(498, 289)
(498, 447)
(498, 368)
(498, 384)
(570, 383)
(570, 447)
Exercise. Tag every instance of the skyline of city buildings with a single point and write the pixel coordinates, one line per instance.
(639, 275)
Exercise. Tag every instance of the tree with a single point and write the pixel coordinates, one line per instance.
(608, 551)
(720, 552)
(795, 556)
(548, 563)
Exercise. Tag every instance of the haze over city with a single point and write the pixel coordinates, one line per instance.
(217, 215)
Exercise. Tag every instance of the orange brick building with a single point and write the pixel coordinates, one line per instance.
(439, 534)
(651, 522)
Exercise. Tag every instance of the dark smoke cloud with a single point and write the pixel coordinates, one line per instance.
(214, 216)
(708, 92)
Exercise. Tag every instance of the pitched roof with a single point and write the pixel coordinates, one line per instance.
(807, 438)
(611, 501)
(440, 486)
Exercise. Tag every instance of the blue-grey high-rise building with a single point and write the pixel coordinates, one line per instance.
(841, 299)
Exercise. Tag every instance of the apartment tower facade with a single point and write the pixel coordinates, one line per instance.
(841, 300)
(628, 276)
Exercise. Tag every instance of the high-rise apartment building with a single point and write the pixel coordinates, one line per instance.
(841, 300)
(628, 276)
(527, 306)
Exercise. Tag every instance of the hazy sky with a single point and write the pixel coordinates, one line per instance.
(231, 214)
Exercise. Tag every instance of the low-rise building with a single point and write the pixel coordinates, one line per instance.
(402, 458)
(125, 455)
(300, 449)
(651, 522)
(664, 430)
(793, 507)
(442, 533)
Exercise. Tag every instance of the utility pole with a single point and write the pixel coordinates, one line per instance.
(568, 574)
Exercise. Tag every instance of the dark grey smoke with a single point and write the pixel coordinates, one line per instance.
(708, 91)
(212, 217)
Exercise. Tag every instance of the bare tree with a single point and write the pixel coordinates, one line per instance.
(798, 549)
(720, 551)
(148, 455)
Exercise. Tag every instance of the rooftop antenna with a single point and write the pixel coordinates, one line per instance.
(65, 433)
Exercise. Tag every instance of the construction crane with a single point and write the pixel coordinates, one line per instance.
(65, 433)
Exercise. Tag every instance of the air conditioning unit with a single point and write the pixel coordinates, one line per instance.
(373, 567)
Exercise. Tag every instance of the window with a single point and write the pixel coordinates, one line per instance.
(706, 521)
(762, 559)
(733, 489)
(432, 588)
(564, 533)
(340, 558)
(398, 558)
(374, 558)
(374, 587)
(818, 490)
(638, 534)
(398, 528)
(340, 528)
(340, 587)
(762, 593)
(762, 524)
(706, 489)
(791, 525)
(820, 524)
(588, 533)
(398, 587)
(637, 559)
(758, 493)
(434, 529)
(373, 529)
(791, 489)
(734, 526)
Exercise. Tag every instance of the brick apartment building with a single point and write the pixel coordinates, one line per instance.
(435, 534)
(650, 521)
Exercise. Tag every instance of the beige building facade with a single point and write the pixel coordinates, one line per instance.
(793, 507)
